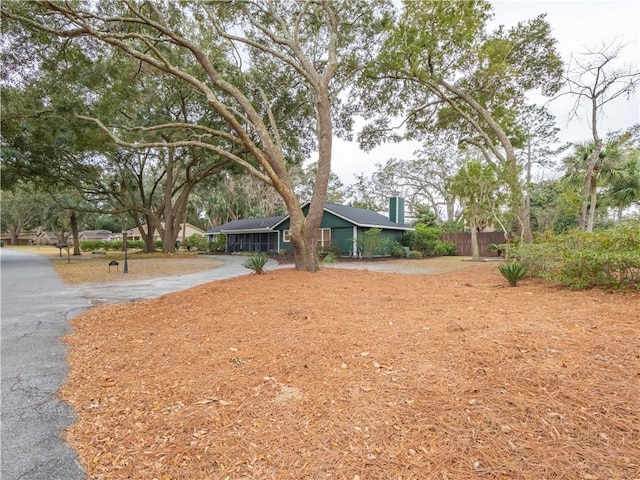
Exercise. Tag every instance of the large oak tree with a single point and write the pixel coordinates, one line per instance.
(235, 49)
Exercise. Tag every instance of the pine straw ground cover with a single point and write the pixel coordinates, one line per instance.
(350, 374)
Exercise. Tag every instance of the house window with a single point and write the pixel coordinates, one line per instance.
(324, 237)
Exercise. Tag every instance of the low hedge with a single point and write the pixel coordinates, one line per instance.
(610, 258)
(91, 245)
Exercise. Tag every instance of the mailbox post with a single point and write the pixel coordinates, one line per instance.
(60, 246)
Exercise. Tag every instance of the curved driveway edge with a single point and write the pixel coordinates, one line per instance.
(132, 290)
(36, 309)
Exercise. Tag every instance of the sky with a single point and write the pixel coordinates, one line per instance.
(576, 25)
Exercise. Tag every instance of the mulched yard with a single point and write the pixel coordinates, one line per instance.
(350, 374)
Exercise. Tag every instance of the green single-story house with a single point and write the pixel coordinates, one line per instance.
(340, 228)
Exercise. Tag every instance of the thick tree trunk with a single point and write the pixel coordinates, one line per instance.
(592, 204)
(589, 181)
(305, 255)
(304, 231)
(475, 248)
(303, 239)
(149, 245)
(169, 232)
(586, 195)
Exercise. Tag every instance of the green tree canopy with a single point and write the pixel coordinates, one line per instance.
(480, 188)
(220, 51)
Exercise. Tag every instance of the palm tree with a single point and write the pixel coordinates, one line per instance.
(608, 169)
(624, 190)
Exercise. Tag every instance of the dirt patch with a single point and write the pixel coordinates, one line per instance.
(349, 374)
(90, 268)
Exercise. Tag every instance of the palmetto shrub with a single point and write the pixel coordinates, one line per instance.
(513, 272)
(256, 263)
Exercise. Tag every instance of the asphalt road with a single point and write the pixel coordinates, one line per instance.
(35, 311)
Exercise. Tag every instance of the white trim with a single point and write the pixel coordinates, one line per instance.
(321, 236)
(253, 230)
(355, 241)
(284, 236)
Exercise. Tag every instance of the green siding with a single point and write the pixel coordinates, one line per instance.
(390, 235)
(338, 226)
(342, 239)
(341, 234)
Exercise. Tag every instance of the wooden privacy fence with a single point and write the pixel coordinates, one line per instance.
(462, 242)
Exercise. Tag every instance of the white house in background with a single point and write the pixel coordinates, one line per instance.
(44, 238)
(186, 230)
(104, 235)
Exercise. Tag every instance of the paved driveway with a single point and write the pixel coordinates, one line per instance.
(35, 310)
(36, 307)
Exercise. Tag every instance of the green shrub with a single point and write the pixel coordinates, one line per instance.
(452, 227)
(407, 239)
(112, 245)
(427, 240)
(256, 263)
(415, 254)
(91, 245)
(219, 245)
(197, 242)
(513, 272)
(398, 251)
(610, 258)
(135, 244)
(444, 249)
(498, 249)
(372, 243)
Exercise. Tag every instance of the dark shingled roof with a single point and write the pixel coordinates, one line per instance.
(363, 217)
(263, 223)
(360, 217)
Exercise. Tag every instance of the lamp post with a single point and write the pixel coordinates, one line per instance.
(126, 248)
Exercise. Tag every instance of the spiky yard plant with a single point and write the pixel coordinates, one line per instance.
(256, 263)
(513, 272)
(329, 258)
